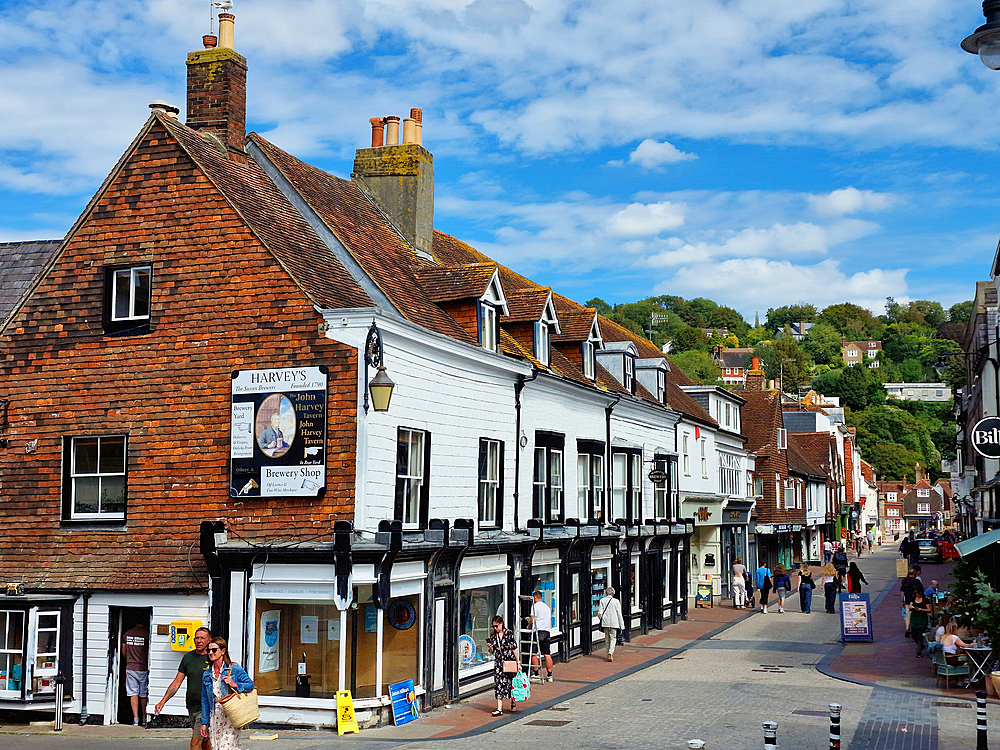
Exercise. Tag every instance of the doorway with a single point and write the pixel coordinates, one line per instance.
(117, 707)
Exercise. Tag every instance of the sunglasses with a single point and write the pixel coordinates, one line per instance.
(213, 650)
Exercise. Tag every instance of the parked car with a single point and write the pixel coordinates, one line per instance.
(929, 551)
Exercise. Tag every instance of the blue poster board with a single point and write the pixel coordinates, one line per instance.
(404, 702)
(855, 618)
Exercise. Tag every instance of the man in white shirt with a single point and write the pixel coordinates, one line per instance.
(541, 621)
(827, 551)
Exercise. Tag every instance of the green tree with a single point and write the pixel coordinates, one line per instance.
(823, 344)
(892, 460)
(689, 338)
(853, 321)
(878, 425)
(925, 313)
(755, 335)
(961, 312)
(857, 387)
(698, 366)
(778, 318)
(784, 359)
(601, 306)
(727, 317)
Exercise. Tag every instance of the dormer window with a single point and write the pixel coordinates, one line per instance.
(488, 327)
(589, 370)
(543, 343)
(629, 373)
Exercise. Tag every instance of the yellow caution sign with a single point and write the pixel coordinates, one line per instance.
(345, 713)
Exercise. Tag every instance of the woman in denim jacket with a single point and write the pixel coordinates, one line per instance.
(221, 678)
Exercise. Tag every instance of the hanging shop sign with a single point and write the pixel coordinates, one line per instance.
(657, 476)
(986, 437)
(277, 443)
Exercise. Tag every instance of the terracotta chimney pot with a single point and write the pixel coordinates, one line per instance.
(211, 41)
(418, 117)
(378, 130)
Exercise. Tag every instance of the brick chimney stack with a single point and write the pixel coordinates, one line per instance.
(755, 376)
(217, 88)
(399, 178)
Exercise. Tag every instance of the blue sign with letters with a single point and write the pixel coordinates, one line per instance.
(404, 702)
(855, 618)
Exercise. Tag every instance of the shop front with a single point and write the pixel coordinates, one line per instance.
(36, 644)
(706, 542)
(734, 540)
(779, 543)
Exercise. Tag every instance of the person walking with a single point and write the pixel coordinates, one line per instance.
(855, 578)
(739, 584)
(192, 667)
(762, 580)
(806, 586)
(832, 583)
(910, 549)
(503, 646)
(920, 614)
(612, 622)
(782, 585)
(221, 678)
(541, 621)
(870, 539)
(135, 647)
(908, 588)
(839, 558)
(827, 551)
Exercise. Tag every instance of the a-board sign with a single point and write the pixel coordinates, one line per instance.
(855, 618)
(703, 595)
(346, 722)
(404, 702)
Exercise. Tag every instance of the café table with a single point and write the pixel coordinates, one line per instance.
(980, 658)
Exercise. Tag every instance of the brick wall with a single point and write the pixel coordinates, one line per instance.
(220, 302)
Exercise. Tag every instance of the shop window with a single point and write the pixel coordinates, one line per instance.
(600, 579)
(544, 578)
(401, 645)
(477, 608)
(94, 477)
(412, 471)
(46, 653)
(127, 297)
(547, 483)
(490, 482)
(11, 653)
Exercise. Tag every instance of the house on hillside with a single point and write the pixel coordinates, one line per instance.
(734, 364)
(196, 424)
(855, 352)
(934, 392)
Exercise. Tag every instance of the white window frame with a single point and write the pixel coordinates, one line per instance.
(619, 486)
(661, 385)
(730, 469)
(589, 359)
(543, 341)
(39, 672)
(686, 455)
(704, 459)
(635, 489)
(923, 493)
(488, 338)
(489, 485)
(414, 476)
(557, 470)
(100, 515)
(628, 373)
(782, 438)
(7, 653)
(924, 509)
(132, 274)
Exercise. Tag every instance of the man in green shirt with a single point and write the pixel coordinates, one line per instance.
(192, 667)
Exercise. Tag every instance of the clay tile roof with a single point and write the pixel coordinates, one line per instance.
(273, 219)
(366, 234)
(526, 305)
(575, 321)
(448, 283)
(20, 265)
(808, 453)
(760, 416)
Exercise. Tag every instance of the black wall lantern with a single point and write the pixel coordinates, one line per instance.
(380, 386)
(985, 41)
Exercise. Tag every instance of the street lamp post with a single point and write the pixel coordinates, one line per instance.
(985, 41)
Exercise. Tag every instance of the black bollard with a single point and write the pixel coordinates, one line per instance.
(770, 735)
(981, 743)
(835, 725)
(60, 690)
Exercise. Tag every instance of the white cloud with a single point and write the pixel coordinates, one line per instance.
(850, 200)
(646, 219)
(651, 154)
(750, 284)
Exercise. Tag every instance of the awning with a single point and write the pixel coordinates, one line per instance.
(977, 543)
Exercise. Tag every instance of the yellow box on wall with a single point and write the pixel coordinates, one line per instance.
(182, 634)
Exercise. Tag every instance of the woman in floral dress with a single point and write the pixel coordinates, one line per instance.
(221, 678)
(503, 646)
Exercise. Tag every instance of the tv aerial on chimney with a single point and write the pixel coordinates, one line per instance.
(217, 5)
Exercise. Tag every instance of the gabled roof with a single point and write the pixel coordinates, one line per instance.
(809, 453)
(576, 323)
(735, 358)
(532, 306)
(447, 283)
(20, 265)
(761, 417)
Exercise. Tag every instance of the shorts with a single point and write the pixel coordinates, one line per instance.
(137, 683)
(194, 718)
(544, 643)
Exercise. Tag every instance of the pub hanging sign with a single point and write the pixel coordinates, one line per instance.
(278, 432)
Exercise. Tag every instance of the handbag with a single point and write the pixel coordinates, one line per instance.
(511, 667)
(241, 708)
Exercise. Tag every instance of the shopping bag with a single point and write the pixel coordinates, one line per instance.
(902, 568)
(521, 687)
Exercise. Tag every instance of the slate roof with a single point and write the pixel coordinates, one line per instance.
(20, 265)
(735, 358)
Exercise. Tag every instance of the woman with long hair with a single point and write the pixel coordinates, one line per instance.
(832, 584)
(920, 614)
(855, 578)
(503, 646)
(782, 585)
(806, 586)
(222, 677)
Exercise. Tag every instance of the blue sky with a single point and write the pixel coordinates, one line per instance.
(757, 152)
